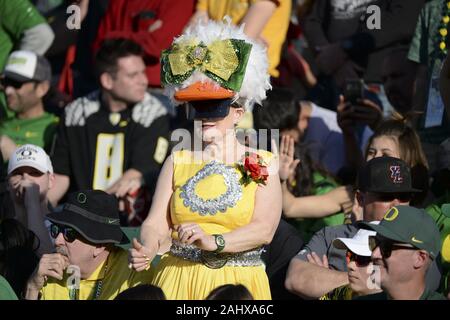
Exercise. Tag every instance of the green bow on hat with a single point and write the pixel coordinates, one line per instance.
(224, 61)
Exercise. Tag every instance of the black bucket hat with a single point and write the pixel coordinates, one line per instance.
(94, 214)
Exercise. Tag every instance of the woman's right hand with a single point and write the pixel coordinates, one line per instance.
(343, 197)
(287, 162)
(139, 256)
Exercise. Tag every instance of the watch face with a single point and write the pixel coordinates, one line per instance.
(220, 241)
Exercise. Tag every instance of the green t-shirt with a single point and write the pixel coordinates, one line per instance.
(6, 292)
(309, 226)
(16, 16)
(38, 131)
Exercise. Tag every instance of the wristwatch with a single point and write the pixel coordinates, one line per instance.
(220, 242)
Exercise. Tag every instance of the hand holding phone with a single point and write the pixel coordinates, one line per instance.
(354, 90)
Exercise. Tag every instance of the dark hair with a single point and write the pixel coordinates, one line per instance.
(304, 173)
(142, 292)
(279, 111)
(230, 292)
(111, 50)
(410, 150)
(18, 257)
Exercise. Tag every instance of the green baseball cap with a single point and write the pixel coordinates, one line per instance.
(410, 225)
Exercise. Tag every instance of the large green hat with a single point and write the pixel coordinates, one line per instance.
(410, 225)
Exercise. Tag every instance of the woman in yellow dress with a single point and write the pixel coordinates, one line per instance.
(223, 203)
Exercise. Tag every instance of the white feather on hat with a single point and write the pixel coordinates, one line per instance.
(256, 80)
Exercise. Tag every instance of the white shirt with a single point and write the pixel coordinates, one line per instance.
(325, 139)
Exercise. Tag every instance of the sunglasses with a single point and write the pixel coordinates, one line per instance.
(387, 246)
(361, 261)
(7, 82)
(69, 234)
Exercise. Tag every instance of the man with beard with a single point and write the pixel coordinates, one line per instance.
(87, 265)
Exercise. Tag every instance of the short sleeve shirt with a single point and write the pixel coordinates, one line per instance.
(321, 244)
(94, 146)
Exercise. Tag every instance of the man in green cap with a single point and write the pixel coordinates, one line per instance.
(406, 243)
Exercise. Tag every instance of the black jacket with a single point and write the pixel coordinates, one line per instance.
(332, 21)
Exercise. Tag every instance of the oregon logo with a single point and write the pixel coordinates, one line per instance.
(391, 215)
(81, 197)
(26, 153)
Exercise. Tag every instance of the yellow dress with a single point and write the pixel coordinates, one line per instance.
(189, 280)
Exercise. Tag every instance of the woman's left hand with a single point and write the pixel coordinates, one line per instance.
(191, 233)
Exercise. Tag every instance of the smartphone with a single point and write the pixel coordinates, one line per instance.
(353, 90)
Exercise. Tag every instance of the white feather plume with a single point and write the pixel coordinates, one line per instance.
(256, 79)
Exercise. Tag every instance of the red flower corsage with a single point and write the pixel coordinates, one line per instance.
(253, 169)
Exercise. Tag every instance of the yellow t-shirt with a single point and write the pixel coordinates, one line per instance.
(118, 277)
(274, 32)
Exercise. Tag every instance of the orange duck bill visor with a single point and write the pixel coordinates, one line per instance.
(200, 91)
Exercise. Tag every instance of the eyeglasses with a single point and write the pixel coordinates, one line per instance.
(361, 261)
(7, 82)
(69, 233)
(386, 246)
